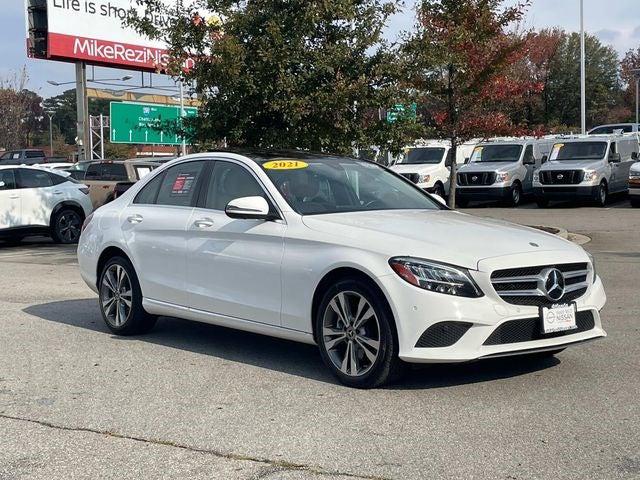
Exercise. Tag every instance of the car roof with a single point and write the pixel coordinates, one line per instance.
(264, 155)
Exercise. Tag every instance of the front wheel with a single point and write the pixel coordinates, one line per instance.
(438, 189)
(66, 227)
(516, 195)
(356, 336)
(120, 299)
(602, 195)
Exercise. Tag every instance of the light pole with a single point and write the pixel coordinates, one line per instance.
(50, 115)
(583, 101)
(636, 75)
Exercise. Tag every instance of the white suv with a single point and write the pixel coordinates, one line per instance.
(336, 252)
(36, 201)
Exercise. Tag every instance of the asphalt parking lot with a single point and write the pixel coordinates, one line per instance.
(197, 401)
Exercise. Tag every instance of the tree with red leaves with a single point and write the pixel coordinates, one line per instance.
(630, 62)
(461, 58)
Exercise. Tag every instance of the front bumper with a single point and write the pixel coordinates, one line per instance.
(565, 192)
(415, 310)
(634, 190)
(483, 193)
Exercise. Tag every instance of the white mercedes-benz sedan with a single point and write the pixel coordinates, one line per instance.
(336, 252)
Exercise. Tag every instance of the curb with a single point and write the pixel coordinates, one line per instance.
(563, 233)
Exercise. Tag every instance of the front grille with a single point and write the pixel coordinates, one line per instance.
(524, 285)
(413, 177)
(442, 334)
(529, 329)
(473, 179)
(561, 177)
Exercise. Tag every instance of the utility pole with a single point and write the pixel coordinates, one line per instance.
(82, 112)
(583, 101)
(50, 115)
(184, 142)
(636, 75)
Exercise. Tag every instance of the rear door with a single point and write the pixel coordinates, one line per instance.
(39, 196)
(102, 178)
(154, 226)
(10, 200)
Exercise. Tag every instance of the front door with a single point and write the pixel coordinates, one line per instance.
(154, 227)
(529, 162)
(10, 200)
(234, 264)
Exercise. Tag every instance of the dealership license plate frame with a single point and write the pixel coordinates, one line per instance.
(549, 322)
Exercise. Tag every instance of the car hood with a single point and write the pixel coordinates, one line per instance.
(570, 164)
(415, 167)
(487, 166)
(440, 235)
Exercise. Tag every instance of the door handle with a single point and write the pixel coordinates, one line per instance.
(57, 192)
(134, 219)
(204, 223)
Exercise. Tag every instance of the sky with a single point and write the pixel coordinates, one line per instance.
(615, 22)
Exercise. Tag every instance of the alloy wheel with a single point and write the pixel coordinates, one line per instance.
(69, 225)
(116, 295)
(351, 333)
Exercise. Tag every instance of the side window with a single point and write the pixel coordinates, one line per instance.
(612, 150)
(57, 179)
(230, 181)
(449, 160)
(34, 178)
(528, 157)
(114, 172)
(179, 184)
(148, 194)
(93, 172)
(7, 179)
(32, 154)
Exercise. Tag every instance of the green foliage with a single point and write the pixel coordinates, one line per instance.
(287, 74)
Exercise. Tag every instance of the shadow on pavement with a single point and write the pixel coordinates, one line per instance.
(276, 354)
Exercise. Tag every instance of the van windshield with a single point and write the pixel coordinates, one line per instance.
(496, 153)
(578, 151)
(432, 155)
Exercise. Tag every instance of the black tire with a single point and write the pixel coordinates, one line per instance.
(137, 320)
(438, 189)
(635, 202)
(386, 367)
(66, 226)
(515, 196)
(601, 195)
(542, 202)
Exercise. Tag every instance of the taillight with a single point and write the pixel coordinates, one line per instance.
(84, 190)
(86, 222)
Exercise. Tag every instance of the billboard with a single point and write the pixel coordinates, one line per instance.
(93, 31)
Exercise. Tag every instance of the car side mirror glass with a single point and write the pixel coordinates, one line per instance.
(256, 208)
(466, 160)
(544, 159)
(634, 155)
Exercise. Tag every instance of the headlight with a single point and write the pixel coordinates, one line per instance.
(590, 175)
(502, 177)
(424, 178)
(436, 277)
(592, 267)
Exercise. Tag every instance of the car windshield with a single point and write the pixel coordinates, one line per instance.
(331, 184)
(432, 155)
(496, 153)
(578, 151)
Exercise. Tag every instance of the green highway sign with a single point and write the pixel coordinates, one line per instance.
(146, 123)
(399, 109)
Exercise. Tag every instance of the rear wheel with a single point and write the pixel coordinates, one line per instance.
(438, 189)
(66, 226)
(356, 336)
(120, 299)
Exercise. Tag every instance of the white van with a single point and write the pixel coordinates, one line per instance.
(587, 167)
(502, 169)
(428, 162)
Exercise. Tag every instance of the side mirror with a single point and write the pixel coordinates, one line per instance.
(466, 160)
(256, 208)
(634, 155)
(529, 161)
(615, 158)
(545, 158)
(439, 199)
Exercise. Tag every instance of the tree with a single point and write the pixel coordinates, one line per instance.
(459, 57)
(295, 74)
(603, 85)
(631, 61)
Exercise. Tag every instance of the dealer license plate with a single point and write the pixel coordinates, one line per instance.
(559, 318)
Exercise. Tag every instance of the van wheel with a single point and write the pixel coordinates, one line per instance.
(516, 195)
(602, 195)
(120, 299)
(356, 337)
(66, 226)
(438, 189)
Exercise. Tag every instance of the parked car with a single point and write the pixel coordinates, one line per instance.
(26, 156)
(501, 169)
(108, 178)
(589, 167)
(428, 164)
(35, 201)
(337, 252)
(615, 128)
(61, 168)
(634, 184)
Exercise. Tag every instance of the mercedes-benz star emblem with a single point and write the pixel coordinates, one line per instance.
(474, 178)
(560, 177)
(552, 284)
